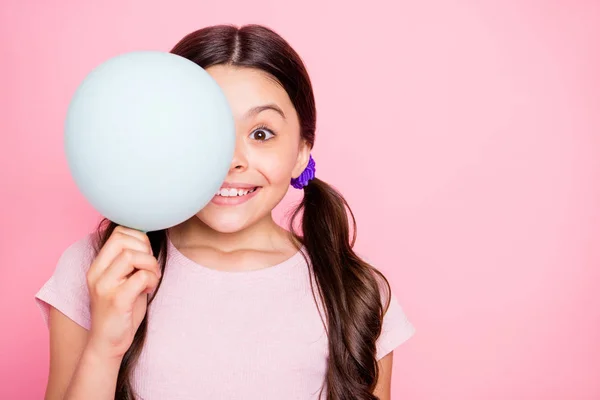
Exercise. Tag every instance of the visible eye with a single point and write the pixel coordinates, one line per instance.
(262, 134)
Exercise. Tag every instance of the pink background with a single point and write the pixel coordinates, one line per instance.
(464, 134)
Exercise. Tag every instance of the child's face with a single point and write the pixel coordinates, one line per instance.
(269, 150)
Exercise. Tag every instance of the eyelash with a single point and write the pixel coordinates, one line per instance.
(264, 128)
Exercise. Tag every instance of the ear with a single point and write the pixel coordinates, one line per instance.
(302, 160)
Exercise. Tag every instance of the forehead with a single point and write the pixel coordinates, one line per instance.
(246, 88)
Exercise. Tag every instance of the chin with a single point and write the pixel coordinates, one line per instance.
(232, 219)
(224, 222)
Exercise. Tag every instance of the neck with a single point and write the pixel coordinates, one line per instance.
(265, 234)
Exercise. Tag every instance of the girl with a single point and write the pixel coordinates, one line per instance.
(229, 305)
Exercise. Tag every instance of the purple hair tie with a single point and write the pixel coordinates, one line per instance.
(307, 175)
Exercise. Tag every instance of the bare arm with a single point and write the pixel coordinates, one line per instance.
(76, 371)
(85, 365)
(383, 389)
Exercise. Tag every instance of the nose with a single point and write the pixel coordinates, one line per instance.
(239, 162)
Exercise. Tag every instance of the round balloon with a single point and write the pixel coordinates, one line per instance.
(149, 139)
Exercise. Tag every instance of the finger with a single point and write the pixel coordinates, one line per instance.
(133, 232)
(134, 286)
(111, 250)
(126, 263)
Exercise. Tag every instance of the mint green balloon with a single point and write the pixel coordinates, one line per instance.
(149, 139)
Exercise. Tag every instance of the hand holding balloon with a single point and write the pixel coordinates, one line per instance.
(118, 282)
(149, 139)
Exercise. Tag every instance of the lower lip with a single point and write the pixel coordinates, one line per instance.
(233, 200)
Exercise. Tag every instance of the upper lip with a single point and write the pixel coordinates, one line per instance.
(236, 185)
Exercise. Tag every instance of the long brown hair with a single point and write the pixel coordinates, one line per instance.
(351, 290)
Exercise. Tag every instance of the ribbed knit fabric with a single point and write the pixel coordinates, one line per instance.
(221, 335)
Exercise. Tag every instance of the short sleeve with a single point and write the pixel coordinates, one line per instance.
(396, 329)
(67, 290)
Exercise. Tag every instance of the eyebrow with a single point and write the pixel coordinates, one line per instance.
(254, 111)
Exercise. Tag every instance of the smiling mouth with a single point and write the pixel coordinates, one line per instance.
(232, 192)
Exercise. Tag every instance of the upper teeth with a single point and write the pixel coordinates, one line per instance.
(231, 192)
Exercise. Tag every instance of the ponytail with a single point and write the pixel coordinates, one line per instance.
(349, 288)
(158, 242)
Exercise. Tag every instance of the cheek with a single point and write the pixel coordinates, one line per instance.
(276, 167)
